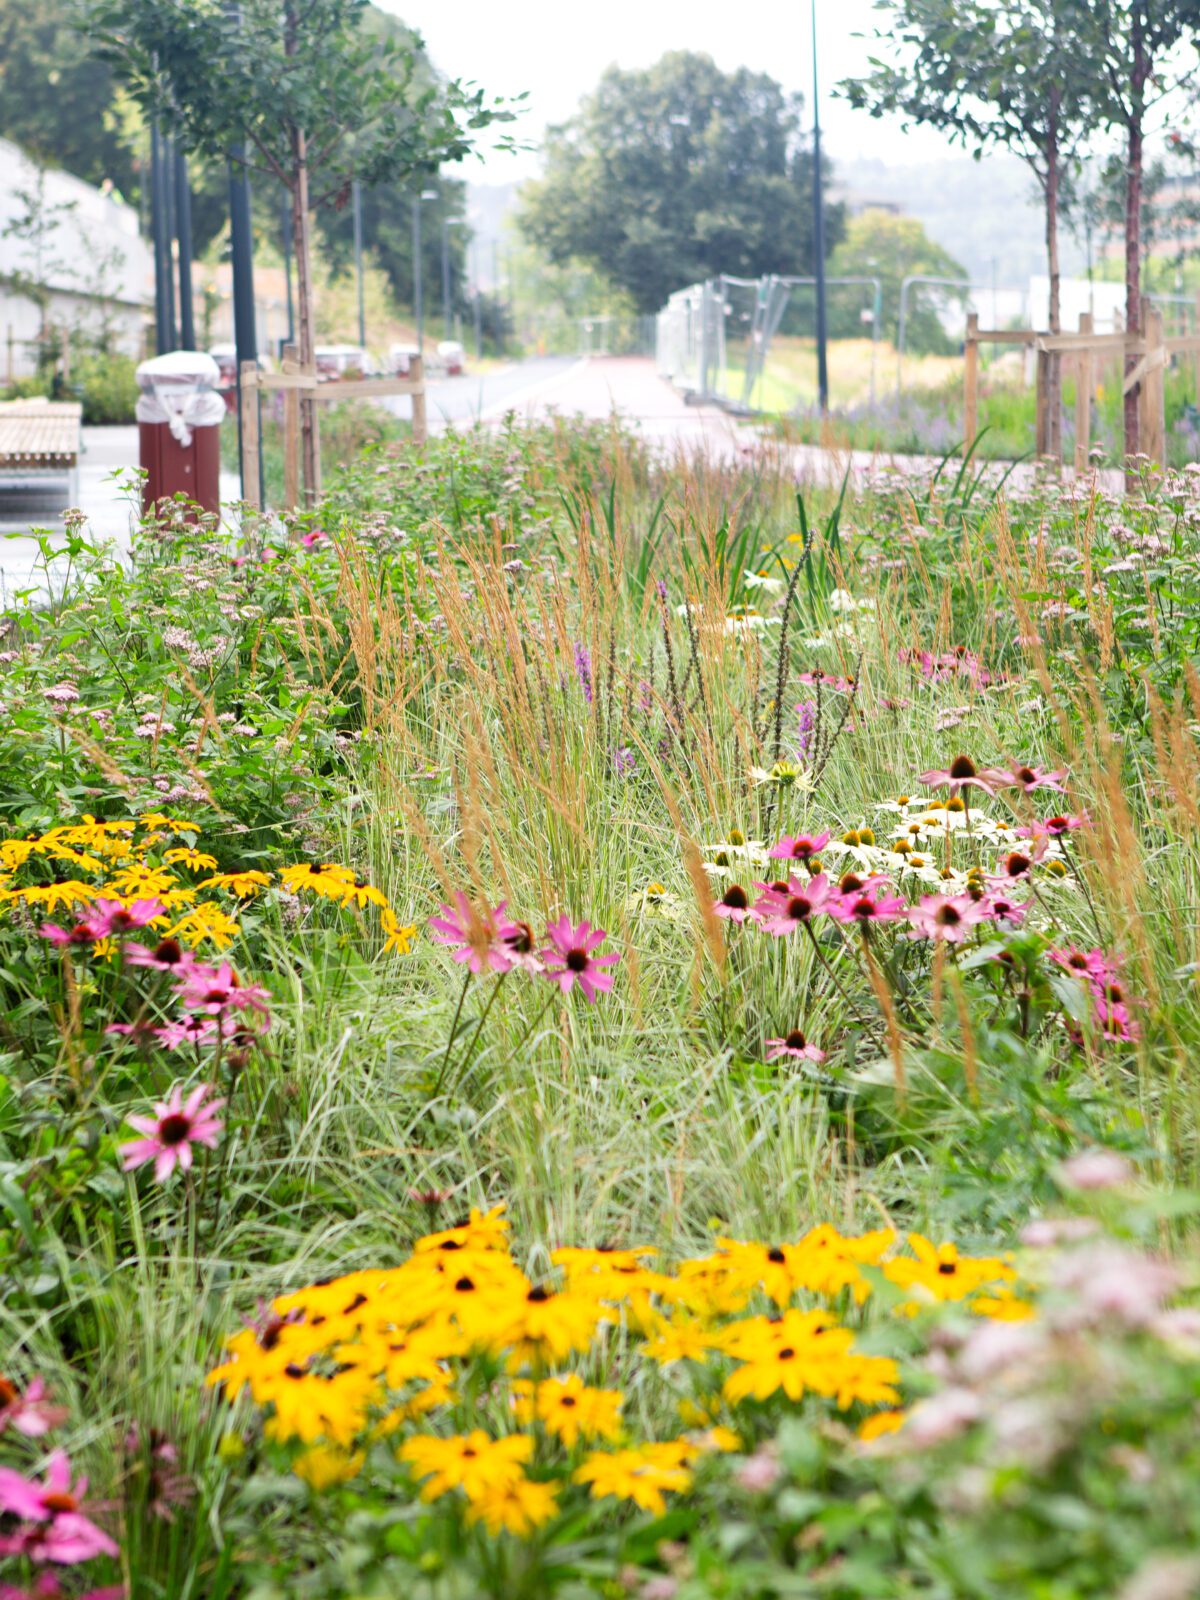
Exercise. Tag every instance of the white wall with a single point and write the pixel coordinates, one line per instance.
(90, 255)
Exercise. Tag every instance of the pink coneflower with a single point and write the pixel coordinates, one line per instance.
(999, 908)
(61, 1533)
(1052, 827)
(1090, 966)
(216, 991)
(317, 536)
(177, 1124)
(195, 1030)
(733, 904)
(519, 942)
(802, 848)
(109, 918)
(793, 1044)
(80, 936)
(826, 681)
(1016, 776)
(962, 773)
(873, 904)
(28, 1410)
(569, 959)
(168, 955)
(782, 910)
(473, 934)
(943, 916)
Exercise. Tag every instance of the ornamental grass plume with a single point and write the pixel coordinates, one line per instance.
(169, 1135)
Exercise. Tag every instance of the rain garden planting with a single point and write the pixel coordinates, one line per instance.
(578, 1024)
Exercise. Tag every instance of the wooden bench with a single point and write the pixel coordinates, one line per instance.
(41, 438)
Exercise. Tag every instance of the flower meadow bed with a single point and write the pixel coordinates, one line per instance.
(578, 1026)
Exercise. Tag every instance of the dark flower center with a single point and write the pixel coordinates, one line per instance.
(795, 1040)
(568, 1400)
(947, 1269)
(1078, 962)
(798, 908)
(174, 1129)
(168, 951)
(780, 886)
(864, 909)
(1027, 774)
(776, 1255)
(735, 898)
(577, 960)
(802, 849)
(1016, 864)
(537, 1296)
(948, 917)
(464, 1285)
(216, 997)
(81, 934)
(962, 767)
(787, 1353)
(60, 1500)
(850, 883)
(8, 1392)
(123, 919)
(470, 1454)
(520, 938)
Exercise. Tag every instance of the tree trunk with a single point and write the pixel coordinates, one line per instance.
(1054, 364)
(1133, 241)
(309, 457)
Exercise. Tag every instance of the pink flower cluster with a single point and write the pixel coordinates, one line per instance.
(957, 663)
(483, 939)
(962, 773)
(792, 903)
(108, 919)
(214, 1002)
(1101, 974)
(50, 1522)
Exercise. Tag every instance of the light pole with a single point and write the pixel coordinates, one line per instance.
(356, 193)
(447, 224)
(819, 236)
(418, 301)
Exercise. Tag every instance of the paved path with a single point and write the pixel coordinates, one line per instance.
(593, 387)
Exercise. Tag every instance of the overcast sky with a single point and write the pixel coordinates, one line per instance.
(557, 52)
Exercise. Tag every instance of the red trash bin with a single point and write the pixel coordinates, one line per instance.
(179, 429)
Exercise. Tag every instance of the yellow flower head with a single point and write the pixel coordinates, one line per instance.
(939, 1275)
(472, 1462)
(323, 1465)
(397, 939)
(519, 1507)
(644, 1475)
(571, 1411)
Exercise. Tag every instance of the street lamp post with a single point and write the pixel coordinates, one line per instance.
(819, 236)
(418, 299)
(356, 192)
(447, 311)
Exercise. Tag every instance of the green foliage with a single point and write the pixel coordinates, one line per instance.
(676, 172)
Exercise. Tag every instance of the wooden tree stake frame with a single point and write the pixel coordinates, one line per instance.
(1151, 352)
(293, 380)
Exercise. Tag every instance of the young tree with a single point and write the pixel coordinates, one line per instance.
(1138, 52)
(316, 98)
(993, 72)
(677, 172)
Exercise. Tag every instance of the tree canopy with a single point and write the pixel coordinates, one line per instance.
(890, 248)
(675, 173)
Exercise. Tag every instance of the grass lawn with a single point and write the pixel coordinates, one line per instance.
(576, 1026)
